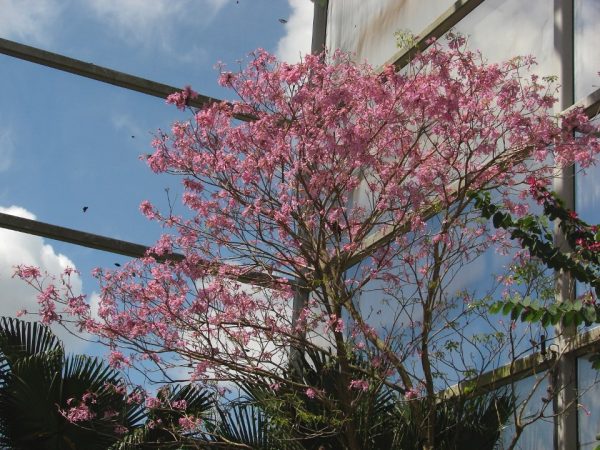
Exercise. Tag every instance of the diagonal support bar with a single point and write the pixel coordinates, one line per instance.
(72, 236)
(436, 29)
(103, 74)
(111, 245)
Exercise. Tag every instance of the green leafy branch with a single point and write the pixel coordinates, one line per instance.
(582, 261)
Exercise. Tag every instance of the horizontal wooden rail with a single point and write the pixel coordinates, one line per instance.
(536, 363)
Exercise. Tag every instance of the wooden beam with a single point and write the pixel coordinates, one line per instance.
(590, 104)
(575, 346)
(71, 236)
(111, 245)
(436, 29)
(103, 74)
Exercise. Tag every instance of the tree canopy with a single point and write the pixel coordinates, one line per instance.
(337, 220)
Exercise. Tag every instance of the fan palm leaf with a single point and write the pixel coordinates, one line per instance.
(38, 385)
(165, 431)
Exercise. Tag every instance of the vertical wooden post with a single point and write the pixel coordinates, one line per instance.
(565, 379)
(319, 32)
(301, 293)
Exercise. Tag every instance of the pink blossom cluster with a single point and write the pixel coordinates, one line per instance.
(337, 154)
(361, 385)
(79, 410)
(79, 413)
(180, 99)
(189, 423)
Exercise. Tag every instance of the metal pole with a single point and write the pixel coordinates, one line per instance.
(301, 292)
(565, 378)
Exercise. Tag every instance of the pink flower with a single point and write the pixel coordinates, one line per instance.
(117, 360)
(189, 423)
(147, 209)
(89, 397)
(27, 272)
(109, 414)
(81, 413)
(180, 99)
(179, 404)
(411, 394)
(311, 393)
(135, 397)
(120, 429)
(362, 385)
(153, 403)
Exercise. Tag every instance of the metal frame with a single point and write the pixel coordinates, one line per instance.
(440, 26)
(116, 246)
(116, 78)
(575, 345)
(444, 23)
(570, 342)
(103, 74)
(564, 383)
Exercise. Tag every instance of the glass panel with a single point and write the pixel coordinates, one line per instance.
(522, 32)
(587, 192)
(587, 199)
(587, 57)
(587, 195)
(588, 417)
(367, 27)
(532, 409)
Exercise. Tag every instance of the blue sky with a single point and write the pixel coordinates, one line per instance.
(68, 142)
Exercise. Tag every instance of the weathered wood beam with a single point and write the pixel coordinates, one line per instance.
(71, 236)
(111, 245)
(99, 73)
(436, 29)
(576, 346)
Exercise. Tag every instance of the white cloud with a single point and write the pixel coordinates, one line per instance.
(298, 28)
(7, 148)
(28, 20)
(153, 23)
(19, 248)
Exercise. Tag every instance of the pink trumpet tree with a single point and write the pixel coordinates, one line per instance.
(345, 178)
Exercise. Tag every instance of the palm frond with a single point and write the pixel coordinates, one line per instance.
(19, 339)
(165, 431)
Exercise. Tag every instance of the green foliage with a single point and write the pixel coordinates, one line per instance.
(286, 418)
(533, 232)
(582, 262)
(165, 430)
(404, 39)
(36, 380)
(526, 310)
(248, 424)
(464, 423)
